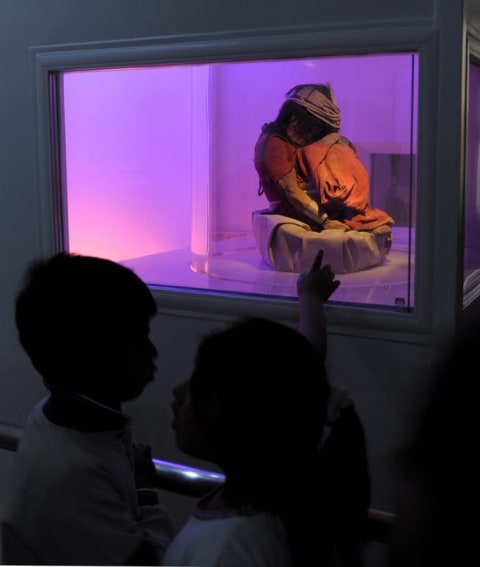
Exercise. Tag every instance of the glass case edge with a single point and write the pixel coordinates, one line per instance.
(370, 37)
(352, 321)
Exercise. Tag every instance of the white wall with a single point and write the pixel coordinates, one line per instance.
(384, 360)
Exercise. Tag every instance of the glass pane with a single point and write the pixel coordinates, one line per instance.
(471, 286)
(159, 169)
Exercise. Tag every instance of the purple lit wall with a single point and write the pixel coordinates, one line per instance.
(128, 170)
(152, 152)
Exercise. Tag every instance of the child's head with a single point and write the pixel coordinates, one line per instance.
(255, 406)
(84, 322)
(257, 396)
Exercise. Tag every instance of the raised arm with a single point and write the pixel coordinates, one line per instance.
(314, 288)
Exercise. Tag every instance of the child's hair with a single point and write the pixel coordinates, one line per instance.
(270, 390)
(267, 378)
(70, 304)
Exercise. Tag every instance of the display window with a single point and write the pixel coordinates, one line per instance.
(158, 172)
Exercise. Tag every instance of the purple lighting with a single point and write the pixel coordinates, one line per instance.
(159, 160)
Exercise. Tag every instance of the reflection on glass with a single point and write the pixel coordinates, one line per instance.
(159, 171)
(471, 286)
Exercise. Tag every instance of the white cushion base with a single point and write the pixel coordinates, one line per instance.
(289, 245)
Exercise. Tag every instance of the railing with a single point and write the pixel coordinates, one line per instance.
(195, 482)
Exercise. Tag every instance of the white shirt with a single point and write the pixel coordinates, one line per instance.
(216, 540)
(73, 499)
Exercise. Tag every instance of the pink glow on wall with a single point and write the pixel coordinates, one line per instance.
(127, 142)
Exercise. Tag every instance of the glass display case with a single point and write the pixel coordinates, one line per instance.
(157, 168)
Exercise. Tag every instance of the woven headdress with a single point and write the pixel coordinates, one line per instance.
(317, 103)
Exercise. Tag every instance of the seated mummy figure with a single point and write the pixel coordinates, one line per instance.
(312, 174)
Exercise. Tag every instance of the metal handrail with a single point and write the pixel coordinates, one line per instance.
(195, 482)
(174, 477)
(9, 436)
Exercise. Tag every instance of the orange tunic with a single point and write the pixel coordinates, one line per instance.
(275, 157)
(333, 167)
